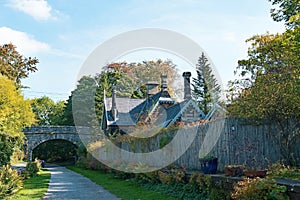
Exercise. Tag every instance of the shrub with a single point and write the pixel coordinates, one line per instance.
(32, 168)
(165, 178)
(18, 155)
(259, 189)
(201, 182)
(217, 194)
(172, 176)
(82, 163)
(178, 175)
(177, 190)
(6, 148)
(149, 177)
(10, 181)
(280, 170)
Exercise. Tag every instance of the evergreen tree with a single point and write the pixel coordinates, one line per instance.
(205, 86)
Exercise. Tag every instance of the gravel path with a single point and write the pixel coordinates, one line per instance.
(66, 184)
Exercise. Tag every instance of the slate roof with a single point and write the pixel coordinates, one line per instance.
(130, 111)
(216, 112)
(173, 113)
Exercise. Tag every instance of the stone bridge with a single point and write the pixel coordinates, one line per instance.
(37, 135)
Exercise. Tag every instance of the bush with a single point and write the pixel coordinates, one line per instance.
(149, 177)
(217, 194)
(18, 155)
(6, 148)
(280, 170)
(82, 163)
(259, 189)
(201, 182)
(165, 178)
(10, 181)
(32, 168)
(177, 190)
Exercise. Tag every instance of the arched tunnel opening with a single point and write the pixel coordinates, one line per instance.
(56, 151)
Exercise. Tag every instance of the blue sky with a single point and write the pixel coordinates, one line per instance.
(62, 33)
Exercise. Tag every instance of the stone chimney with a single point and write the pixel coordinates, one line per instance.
(152, 88)
(114, 110)
(164, 85)
(187, 85)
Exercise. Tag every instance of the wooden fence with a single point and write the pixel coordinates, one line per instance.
(232, 141)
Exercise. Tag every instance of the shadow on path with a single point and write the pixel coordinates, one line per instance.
(68, 185)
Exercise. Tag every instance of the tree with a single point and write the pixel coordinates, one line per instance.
(152, 71)
(118, 76)
(57, 112)
(287, 11)
(128, 79)
(99, 83)
(15, 66)
(205, 86)
(269, 88)
(81, 95)
(47, 111)
(15, 113)
(67, 115)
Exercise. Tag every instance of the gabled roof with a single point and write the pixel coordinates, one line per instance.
(129, 110)
(173, 113)
(216, 112)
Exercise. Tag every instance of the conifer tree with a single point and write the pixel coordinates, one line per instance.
(205, 86)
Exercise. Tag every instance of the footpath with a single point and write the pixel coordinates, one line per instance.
(68, 185)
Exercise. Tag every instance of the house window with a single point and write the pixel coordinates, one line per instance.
(189, 114)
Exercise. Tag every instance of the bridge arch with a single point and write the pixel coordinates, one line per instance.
(56, 150)
(37, 135)
(36, 144)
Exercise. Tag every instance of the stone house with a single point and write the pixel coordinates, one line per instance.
(159, 108)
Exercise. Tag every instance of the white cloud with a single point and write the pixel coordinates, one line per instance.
(230, 36)
(25, 43)
(38, 9)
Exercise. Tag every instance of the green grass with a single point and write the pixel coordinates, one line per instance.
(121, 188)
(34, 188)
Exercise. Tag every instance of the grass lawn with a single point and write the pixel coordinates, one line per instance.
(121, 188)
(34, 188)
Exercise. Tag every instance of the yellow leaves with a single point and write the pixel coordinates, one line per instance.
(15, 112)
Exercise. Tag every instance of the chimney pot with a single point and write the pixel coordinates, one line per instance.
(114, 110)
(152, 88)
(187, 85)
(164, 85)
